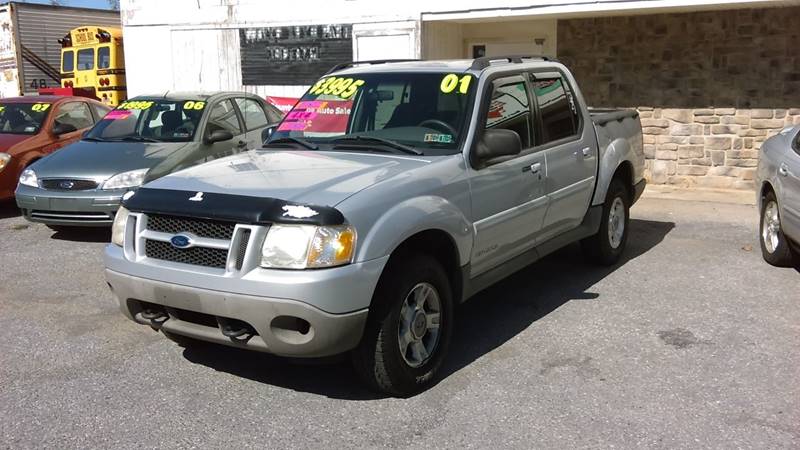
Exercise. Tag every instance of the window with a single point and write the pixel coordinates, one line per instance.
(101, 110)
(253, 113)
(557, 109)
(510, 109)
(68, 61)
(165, 120)
(223, 117)
(103, 58)
(274, 114)
(76, 114)
(86, 59)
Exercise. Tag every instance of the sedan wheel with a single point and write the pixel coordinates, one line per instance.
(774, 247)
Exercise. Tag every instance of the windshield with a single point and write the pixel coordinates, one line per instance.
(426, 111)
(151, 120)
(22, 118)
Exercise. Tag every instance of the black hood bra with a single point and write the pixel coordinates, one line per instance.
(234, 208)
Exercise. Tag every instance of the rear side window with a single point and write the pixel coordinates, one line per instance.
(273, 113)
(86, 59)
(253, 113)
(68, 61)
(557, 110)
(103, 58)
(510, 108)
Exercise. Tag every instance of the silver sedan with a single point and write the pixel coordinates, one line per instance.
(778, 181)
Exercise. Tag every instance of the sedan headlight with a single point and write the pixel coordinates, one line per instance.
(124, 180)
(28, 178)
(4, 159)
(118, 227)
(308, 246)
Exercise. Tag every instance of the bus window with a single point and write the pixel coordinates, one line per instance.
(86, 59)
(103, 57)
(68, 62)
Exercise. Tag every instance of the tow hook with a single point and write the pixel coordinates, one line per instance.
(236, 329)
(155, 316)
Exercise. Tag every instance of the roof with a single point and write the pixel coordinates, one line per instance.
(42, 98)
(193, 95)
(442, 65)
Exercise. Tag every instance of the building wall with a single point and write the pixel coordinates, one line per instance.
(710, 86)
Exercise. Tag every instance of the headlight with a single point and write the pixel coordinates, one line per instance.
(4, 159)
(308, 246)
(28, 178)
(123, 180)
(118, 228)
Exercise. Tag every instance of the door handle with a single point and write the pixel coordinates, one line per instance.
(585, 152)
(783, 170)
(535, 168)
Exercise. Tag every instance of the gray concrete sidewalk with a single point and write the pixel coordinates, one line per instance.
(669, 192)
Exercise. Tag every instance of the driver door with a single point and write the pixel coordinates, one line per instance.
(76, 114)
(508, 193)
(222, 116)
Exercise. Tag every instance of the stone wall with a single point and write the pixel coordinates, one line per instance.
(710, 86)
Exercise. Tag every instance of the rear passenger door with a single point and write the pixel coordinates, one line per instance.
(508, 195)
(569, 147)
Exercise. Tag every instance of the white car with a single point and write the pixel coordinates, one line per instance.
(778, 181)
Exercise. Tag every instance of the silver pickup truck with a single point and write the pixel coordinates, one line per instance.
(392, 192)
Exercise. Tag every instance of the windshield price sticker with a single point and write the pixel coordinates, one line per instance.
(451, 81)
(136, 105)
(2, 108)
(338, 86)
(40, 107)
(196, 105)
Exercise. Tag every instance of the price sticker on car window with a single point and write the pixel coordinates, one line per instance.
(2, 108)
(341, 87)
(40, 107)
(136, 105)
(453, 83)
(195, 105)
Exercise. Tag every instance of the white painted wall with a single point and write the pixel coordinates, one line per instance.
(9, 75)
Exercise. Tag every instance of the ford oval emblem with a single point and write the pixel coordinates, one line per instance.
(66, 184)
(181, 241)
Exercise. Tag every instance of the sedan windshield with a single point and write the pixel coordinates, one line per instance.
(22, 118)
(149, 119)
(425, 111)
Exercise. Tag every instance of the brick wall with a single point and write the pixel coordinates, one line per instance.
(710, 86)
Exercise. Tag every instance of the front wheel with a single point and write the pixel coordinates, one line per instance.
(607, 245)
(409, 328)
(774, 247)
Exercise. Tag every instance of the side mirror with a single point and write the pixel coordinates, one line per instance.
(86, 133)
(498, 142)
(218, 136)
(266, 133)
(61, 128)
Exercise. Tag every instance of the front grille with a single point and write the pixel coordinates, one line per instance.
(245, 237)
(199, 256)
(87, 216)
(67, 184)
(215, 229)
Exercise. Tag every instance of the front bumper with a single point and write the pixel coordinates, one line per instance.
(282, 327)
(79, 208)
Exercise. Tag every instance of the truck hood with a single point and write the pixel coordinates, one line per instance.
(101, 160)
(8, 140)
(313, 177)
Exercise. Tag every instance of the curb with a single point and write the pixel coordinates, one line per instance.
(666, 192)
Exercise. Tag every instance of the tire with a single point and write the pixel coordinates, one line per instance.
(774, 247)
(378, 359)
(606, 247)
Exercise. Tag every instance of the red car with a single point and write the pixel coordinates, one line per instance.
(35, 126)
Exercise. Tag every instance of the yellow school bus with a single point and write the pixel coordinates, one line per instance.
(92, 62)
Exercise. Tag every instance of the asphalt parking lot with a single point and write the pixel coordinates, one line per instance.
(691, 342)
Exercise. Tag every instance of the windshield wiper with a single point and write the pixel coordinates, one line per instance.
(292, 140)
(365, 140)
(94, 139)
(137, 139)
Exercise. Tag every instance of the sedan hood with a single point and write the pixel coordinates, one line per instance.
(313, 177)
(101, 160)
(8, 140)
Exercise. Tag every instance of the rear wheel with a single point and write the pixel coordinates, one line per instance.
(607, 245)
(409, 328)
(774, 246)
